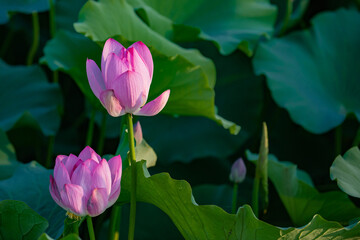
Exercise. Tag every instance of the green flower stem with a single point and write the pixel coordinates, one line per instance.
(36, 37)
(50, 151)
(261, 174)
(90, 228)
(55, 76)
(133, 177)
(52, 23)
(115, 222)
(356, 141)
(71, 226)
(255, 196)
(90, 131)
(100, 146)
(289, 4)
(234, 199)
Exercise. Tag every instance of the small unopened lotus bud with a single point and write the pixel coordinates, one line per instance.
(238, 171)
(138, 133)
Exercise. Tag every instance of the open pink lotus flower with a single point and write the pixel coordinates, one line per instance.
(86, 185)
(123, 84)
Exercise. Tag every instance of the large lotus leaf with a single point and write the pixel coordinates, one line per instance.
(196, 137)
(314, 73)
(23, 6)
(66, 13)
(19, 221)
(301, 199)
(107, 18)
(68, 52)
(248, 226)
(175, 199)
(191, 138)
(346, 171)
(151, 223)
(321, 229)
(30, 183)
(221, 195)
(229, 24)
(8, 162)
(195, 221)
(25, 89)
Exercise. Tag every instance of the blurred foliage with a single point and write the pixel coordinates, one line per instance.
(307, 77)
(19, 221)
(28, 183)
(300, 197)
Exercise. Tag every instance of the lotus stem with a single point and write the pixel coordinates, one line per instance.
(115, 222)
(255, 196)
(133, 177)
(71, 224)
(289, 4)
(90, 228)
(234, 199)
(36, 38)
(261, 174)
(52, 23)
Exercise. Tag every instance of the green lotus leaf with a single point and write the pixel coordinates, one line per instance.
(229, 24)
(27, 91)
(300, 197)
(29, 183)
(346, 171)
(314, 73)
(22, 6)
(19, 221)
(174, 197)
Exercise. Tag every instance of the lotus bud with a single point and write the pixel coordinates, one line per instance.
(138, 133)
(238, 171)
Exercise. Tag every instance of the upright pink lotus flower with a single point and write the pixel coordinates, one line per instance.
(238, 171)
(86, 185)
(123, 84)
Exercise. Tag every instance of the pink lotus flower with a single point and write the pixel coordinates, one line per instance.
(123, 84)
(238, 171)
(86, 185)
